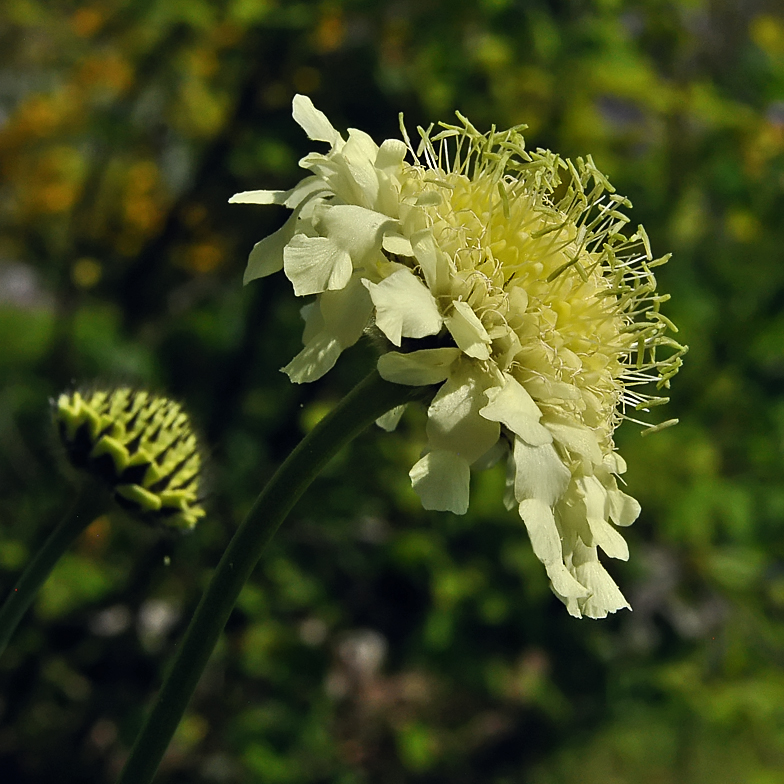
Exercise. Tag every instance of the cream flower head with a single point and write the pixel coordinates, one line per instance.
(503, 276)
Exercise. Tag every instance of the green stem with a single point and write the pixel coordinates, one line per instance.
(371, 398)
(34, 576)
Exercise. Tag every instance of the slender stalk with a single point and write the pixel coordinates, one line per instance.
(34, 576)
(371, 398)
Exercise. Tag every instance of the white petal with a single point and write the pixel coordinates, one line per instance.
(266, 257)
(346, 312)
(539, 473)
(453, 420)
(413, 220)
(314, 264)
(314, 321)
(499, 450)
(545, 388)
(388, 199)
(468, 331)
(417, 368)
(356, 230)
(518, 300)
(360, 175)
(594, 497)
(605, 596)
(391, 154)
(542, 531)
(317, 358)
(578, 439)
(305, 190)
(606, 537)
(570, 517)
(397, 244)
(360, 147)
(514, 407)
(564, 584)
(313, 122)
(624, 509)
(441, 479)
(260, 197)
(614, 463)
(333, 323)
(429, 199)
(389, 421)
(432, 260)
(404, 307)
(596, 506)
(322, 166)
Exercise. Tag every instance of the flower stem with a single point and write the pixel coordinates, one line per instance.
(371, 398)
(34, 576)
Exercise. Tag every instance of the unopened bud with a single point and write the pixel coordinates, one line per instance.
(141, 445)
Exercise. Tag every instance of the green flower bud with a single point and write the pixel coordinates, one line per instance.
(141, 445)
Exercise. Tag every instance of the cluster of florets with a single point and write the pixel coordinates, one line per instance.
(141, 446)
(505, 277)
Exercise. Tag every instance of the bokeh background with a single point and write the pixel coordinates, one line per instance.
(377, 642)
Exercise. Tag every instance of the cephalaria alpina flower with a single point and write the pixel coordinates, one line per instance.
(141, 446)
(502, 275)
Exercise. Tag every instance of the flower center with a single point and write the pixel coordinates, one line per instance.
(542, 290)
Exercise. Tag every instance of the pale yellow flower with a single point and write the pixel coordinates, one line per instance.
(504, 276)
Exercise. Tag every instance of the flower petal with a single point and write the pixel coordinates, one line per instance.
(313, 122)
(606, 537)
(316, 359)
(356, 230)
(624, 509)
(259, 197)
(432, 260)
(539, 473)
(577, 438)
(563, 583)
(614, 463)
(267, 254)
(397, 245)
(389, 421)
(546, 543)
(391, 154)
(303, 190)
(315, 264)
(603, 534)
(453, 420)
(605, 596)
(468, 331)
(511, 405)
(542, 531)
(333, 323)
(441, 480)
(360, 154)
(417, 368)
(404, 307)
(545, 388)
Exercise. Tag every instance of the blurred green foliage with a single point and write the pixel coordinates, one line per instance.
(376, 642)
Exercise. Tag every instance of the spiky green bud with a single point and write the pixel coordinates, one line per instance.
(141, 445)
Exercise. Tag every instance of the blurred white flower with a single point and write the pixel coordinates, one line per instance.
(502, 275)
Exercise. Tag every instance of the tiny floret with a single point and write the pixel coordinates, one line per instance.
(141, 446)
(509, 278)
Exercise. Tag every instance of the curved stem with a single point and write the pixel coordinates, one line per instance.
(34, 576)
(371, 398)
